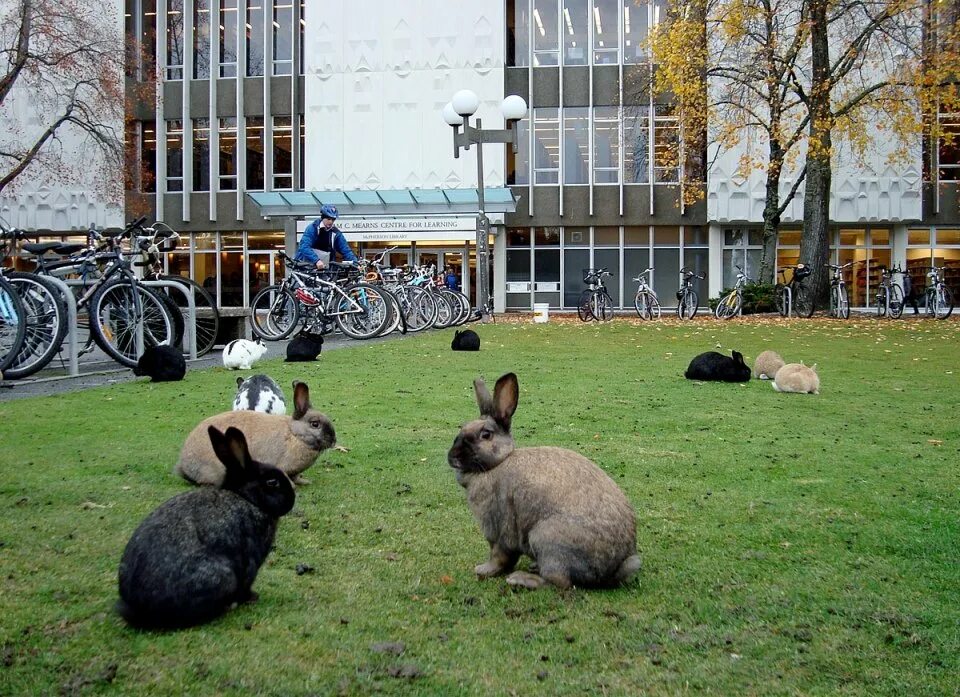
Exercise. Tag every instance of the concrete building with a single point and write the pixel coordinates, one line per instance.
(261, 110)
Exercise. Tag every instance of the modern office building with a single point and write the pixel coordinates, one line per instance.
(248, 114)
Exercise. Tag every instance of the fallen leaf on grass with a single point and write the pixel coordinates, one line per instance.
(88, 505)
(394, 647)
(341, 449)
(934, 441)
(446, 580)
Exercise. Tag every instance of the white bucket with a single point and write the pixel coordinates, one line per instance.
(541, 313)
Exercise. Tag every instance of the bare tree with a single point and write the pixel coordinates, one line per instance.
(61, 81)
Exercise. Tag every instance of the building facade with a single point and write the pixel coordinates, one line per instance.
(237, 98)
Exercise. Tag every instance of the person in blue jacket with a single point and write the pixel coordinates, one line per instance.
(324, 237)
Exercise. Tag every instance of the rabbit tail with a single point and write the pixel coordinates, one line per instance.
(630, 566)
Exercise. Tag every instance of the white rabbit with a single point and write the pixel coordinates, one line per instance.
(241, 354)
(259, 393)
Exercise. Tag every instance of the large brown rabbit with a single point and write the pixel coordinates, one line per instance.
(552, 504)
(767, 365)
(796, 377)
(291, 443)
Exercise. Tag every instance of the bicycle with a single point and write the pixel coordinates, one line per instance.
(595, 302)
(646, 302)
(839, 301)
(939, 299)
(889, 294)
(687, 301)
(317, 298)
(785, 292)
(13, 324)
(731, 303)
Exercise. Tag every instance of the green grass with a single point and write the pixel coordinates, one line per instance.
(792, 544)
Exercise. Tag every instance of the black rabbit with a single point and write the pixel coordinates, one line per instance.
(304, 347)
(199, 553)
(715, 366)
(162, 363)
(467, 340)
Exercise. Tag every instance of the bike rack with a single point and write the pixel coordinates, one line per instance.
(190, 326)
(72, 349)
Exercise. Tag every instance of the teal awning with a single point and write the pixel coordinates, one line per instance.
(388, 202)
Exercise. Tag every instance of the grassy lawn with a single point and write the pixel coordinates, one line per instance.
(792, 544)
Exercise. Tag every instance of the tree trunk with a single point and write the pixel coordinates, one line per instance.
(771, 217)
(815, 240)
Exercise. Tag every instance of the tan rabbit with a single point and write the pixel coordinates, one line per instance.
(767, 365)
(291, 443)
(796, 377)
(552, 504)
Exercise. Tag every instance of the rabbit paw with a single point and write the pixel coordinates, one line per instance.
(525, 579)
(488, 569)
(300, 480)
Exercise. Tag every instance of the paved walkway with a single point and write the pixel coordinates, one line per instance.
(97, 369)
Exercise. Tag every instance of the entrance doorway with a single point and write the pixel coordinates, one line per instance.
(444, 258)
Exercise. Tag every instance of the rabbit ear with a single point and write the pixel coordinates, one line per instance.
(301, 399)
(484, 400)
(231, 449)
(239, 382)
(506, 393)
(738, 357)
(814, 367)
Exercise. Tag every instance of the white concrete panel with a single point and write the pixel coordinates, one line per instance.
(377, 76)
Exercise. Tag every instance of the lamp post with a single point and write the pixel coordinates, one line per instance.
(457, 113)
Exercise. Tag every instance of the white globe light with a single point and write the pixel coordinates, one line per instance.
(451, 116)
(513, 107)
(465, 102)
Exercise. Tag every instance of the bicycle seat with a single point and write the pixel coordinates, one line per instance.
(39, 248)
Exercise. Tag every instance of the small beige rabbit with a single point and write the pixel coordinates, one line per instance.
(552, 504)
(767, 365)
(796, 377)
(291, 443)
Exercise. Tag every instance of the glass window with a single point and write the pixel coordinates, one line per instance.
(175, 39)
(201, 154)
(148, 40)
(545, 40)
(576, 143)
(853, 238)
(228, 38)
(576, 237)
(518, 271)
(255, 149)
(148, 158)
(231, 271)
(546, 144)
(282, 152)
(283, 37)
(201, 39)
(636, 153)
(789, 238)
(518, 163)
(228, 154)
(518, 237)
(174, 155)
(518, 32)
(606, 145)
(303, 151)
(254, 30)
(666, 275)
(638, 16)
(265, 240)
(698, 261)
(574, 262)
(666, 236)
(575, 32)
(302, 32)
(546, 276)
(634, 263)
(609, 259)
(666, 146)
(546, 237)
(879, 236)
(606, 236)
(918, 236)
(948, 150)
(606, 48)
(636, 236)
(205, 241)
(695, 235)
(947, 236)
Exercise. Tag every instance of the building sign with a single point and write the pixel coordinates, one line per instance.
(463, 228)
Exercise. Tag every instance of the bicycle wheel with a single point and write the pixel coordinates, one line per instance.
(687, 309)
(583, 306)
(464, 303)
(601, 306)
(642, 305)
(12, 323)
(803, 304)
(419, 307)
(882, 301)
(729, 305)
(207, 316)
(781, 293)
(445, 310)
(362, 313)
(46, 323)
(942, 301)
(839, 304)
(395, 321)
(896, 301)
(119, 311)
(179, 323)
(274, 313)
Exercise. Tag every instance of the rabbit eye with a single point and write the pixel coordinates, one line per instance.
(315, 423)
(486, 435)
(273, 482)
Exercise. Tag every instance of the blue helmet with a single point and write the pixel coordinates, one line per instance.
(328, 210)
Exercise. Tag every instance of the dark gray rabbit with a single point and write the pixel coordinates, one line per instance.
(304, 347)
(199, 553)
(715, 366)
(552, 504)
(466, 340)
(161, 363)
